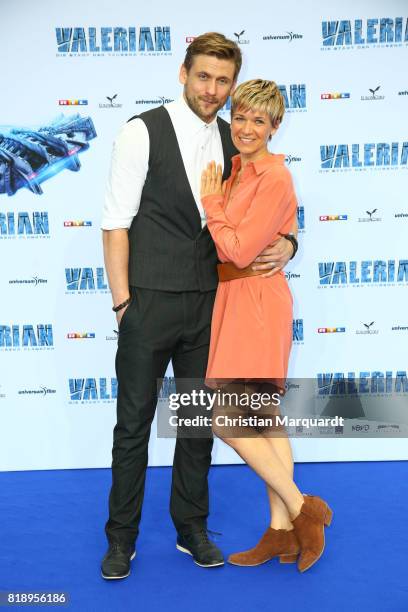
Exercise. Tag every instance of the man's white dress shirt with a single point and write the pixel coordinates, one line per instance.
(199, 143)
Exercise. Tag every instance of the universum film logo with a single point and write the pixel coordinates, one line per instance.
(24, 225)
(34, 281)
(159, 101)
(41, 391)
(364, 33)
(287, 36)
(365, 273)
(364, 157)
(17, 337)
(92, 390)
(113, 41)
(85, 281)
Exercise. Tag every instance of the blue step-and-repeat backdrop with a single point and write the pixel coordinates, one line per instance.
(73, 73)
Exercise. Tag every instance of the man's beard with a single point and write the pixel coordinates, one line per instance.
(193, 104)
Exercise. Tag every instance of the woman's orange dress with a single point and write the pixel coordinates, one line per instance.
(251, 330)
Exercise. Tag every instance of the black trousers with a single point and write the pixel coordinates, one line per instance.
(158, 326)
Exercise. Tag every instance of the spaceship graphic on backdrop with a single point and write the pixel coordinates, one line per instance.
(28, 157)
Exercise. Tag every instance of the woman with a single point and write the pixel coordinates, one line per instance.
(251, 329)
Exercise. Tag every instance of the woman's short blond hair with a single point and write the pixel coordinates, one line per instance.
(260, 95)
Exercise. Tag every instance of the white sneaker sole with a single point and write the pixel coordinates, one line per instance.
(119, 577)
(185, 550)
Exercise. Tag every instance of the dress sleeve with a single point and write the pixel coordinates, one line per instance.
(272, 206)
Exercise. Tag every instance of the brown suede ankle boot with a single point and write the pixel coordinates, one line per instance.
(274, 543)
(309, 528)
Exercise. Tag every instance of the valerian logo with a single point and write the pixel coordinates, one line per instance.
(364, 34)
(85, 280)
(36, 337)
(24, 225)
(295, 100)
(297, 331)
(371, 155)
(92, 389)
(113, 41)
(364, 273)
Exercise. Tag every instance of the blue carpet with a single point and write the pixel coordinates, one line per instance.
(51, 539)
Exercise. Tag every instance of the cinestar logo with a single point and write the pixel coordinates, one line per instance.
(85, 280)
(156, 101)
(333, 218)
(35, 281)
(28, 336)
(368, 329)
(118, 40)
(297, 330)
(77, 223)
(24, 224)
(370, 155)
(334, 96)
(241, 41)
(290, 159)
(73, 102)
(296, 99)
(373, 95)
(112, 103)
(43, 391)
(80, 335)
(380, 31)
(92, 389)
(331, 330)
(363, 273)
(375, 382)
(301, 218)
(370, 218)
(288, 36)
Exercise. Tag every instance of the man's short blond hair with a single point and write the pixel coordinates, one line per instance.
(261, 95)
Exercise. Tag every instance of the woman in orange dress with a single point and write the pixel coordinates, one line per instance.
(251, 332)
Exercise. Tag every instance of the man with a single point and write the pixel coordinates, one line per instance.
(161, 265)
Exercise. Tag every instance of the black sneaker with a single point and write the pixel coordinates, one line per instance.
(116, 562)
(204, 552)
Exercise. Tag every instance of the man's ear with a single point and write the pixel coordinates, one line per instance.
(233, 88)
(183, 74)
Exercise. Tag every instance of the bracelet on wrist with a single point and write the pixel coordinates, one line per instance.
(122, 305)
(293, 240)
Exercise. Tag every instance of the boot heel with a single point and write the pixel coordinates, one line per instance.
(328, 517)
(288, 558)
